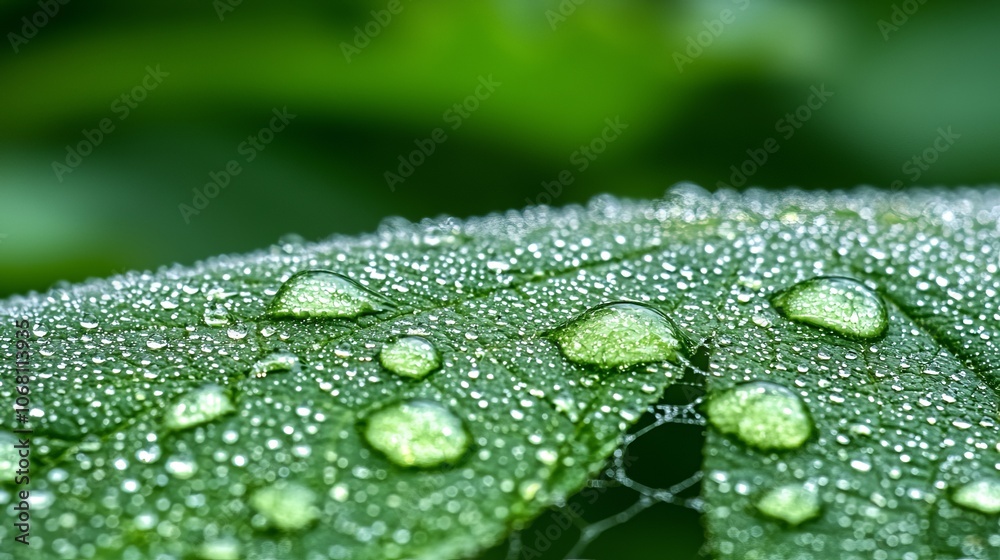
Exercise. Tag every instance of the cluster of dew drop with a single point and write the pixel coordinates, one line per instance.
(420, 430)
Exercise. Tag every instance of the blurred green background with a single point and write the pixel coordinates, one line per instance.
(698, 87)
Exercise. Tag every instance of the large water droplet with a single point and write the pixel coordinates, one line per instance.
(619, 334)
(217, 316)
(278, 362)
(197, 407)
(764, 415)
(8, 456)
(840, 304)
(321, 293)
(286, 505)
(181, 466)
(417, 434)
(410, 356)
(980, 495)
(792, 503)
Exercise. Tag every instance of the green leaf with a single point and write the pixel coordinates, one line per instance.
(243, 407)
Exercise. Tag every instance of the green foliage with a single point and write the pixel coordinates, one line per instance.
(177, 414)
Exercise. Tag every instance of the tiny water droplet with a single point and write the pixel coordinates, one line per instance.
(322, 293)
(197, 407)
(286, 505)
(792, 503)
(278, 362)
(410, 356)
(980, 495)
(417, 434)
(619, 334)
(762, 414)
(217, 317)
(840, 304)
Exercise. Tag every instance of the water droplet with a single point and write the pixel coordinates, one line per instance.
(237, 332)
(220, 549)
(197, 407)
(155, 343)
(762, 414)
(417, 434)
(89, 322)
(278, 362)
(321, 293)
(217, 316)
(410, 356)
(619, 334)
(181, 467)
(840, 304)
(8, 456)
(285, 505)
(980, 495)
(792, 503)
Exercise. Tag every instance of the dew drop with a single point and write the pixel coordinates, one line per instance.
(285, 505)
(322, 293)
(410, 356)
(619, 334)
(197, 407)
(840, 304)
(792, 503)
(220, 549)
(278, 362)
(155, 343)
(417, 434)
(980, 495)
(762, 414)
(181, 467)
(217, 317)
(89, 322)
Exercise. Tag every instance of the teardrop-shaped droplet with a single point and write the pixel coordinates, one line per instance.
(417, 434)
(217, 317)
(286, 505)
(8, 456)
(197, 407)
(840, 304)
(322, 293)
(762, 414)
(619, 334)
(980, 495)
(410, 356)
(278, 362)
(793, 503)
